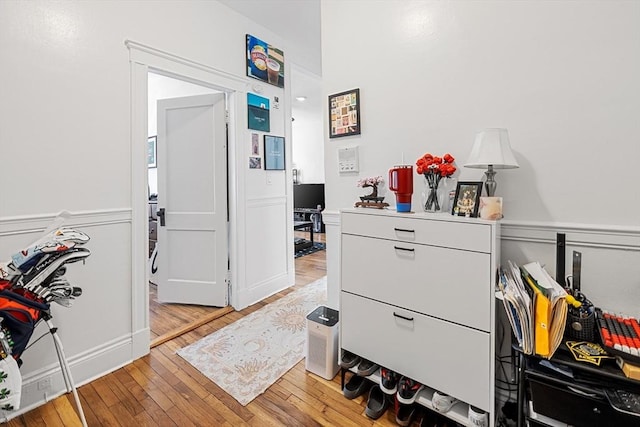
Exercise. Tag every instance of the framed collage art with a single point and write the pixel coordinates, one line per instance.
(344, 113)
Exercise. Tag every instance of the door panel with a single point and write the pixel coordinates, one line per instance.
(192, 189)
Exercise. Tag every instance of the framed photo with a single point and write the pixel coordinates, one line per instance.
(255, 163)
(467, 200)
(255, 145)
(152, 160)
(273, 152)
(344, 113)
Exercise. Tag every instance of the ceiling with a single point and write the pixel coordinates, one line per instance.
(292, 20)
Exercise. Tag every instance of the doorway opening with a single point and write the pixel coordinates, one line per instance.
(168, 320)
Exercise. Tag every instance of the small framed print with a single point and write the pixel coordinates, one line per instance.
(273, 152)
(344, 113)
(152, 149)
(255, 163)
(467, 200)
(255, 145)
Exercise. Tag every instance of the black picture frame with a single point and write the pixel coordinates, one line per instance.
(274, 152)
(152, 152)
(467, 200)
(344, 113)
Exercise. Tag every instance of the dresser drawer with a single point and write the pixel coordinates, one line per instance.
(447, 231)
(447, 283)
(447, 357)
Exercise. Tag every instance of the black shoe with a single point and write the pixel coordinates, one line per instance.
(366, 368)
(405, 414)
(356, 386)
(377, 403)
(388, 381)
(349, 360)
(408, 390)
(429, 419)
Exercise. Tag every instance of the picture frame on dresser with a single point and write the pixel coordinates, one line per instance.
(467, 199)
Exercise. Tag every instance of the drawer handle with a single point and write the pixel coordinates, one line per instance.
(410, 319)
(584, 393)
(404, 230)
(404, 249)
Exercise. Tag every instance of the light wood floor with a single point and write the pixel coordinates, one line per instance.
(161, 389)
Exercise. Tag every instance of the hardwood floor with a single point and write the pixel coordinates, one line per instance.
(161, 389)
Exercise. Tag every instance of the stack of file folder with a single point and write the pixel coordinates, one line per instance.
(536, 306)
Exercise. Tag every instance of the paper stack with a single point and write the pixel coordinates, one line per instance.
(536, 307)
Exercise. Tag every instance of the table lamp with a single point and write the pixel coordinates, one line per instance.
(491, 150)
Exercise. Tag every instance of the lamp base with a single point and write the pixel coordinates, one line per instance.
(490, 184)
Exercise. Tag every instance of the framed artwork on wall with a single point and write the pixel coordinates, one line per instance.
(255, 163)
(273, 152)
(258, 112)
(467, 200)
(264, 62)
(152, 160)
(344, 113)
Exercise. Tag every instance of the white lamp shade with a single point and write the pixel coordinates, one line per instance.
(492, 147)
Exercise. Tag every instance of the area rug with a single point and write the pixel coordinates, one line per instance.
(247, 356)
(315, 248)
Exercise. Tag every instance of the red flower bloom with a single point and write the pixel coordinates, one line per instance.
(434, 165)
(434, 169)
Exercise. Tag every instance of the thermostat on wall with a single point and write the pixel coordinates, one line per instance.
(348, 159)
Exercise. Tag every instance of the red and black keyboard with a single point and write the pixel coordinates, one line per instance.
(620, 335)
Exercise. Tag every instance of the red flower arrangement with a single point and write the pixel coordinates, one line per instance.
(435, 168)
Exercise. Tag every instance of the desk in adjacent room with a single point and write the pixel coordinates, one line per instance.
(301, 225)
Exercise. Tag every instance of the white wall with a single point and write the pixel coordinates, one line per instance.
(560, 76)
(66, 127)
(307, 128)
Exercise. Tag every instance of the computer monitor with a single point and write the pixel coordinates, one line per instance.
(308, 196)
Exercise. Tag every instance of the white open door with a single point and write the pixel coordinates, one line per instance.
(192, 200)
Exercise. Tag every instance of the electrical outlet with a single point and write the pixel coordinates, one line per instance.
(44, 384)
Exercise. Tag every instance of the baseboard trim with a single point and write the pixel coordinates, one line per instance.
(262, 290)
(89, 366)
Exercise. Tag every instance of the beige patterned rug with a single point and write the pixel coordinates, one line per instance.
(247, 356)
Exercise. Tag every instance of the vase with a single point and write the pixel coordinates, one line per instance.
(436, 195)
(430, 201)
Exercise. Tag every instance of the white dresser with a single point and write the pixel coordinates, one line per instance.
(417, 297)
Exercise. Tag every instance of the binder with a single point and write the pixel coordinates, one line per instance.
(549, 309)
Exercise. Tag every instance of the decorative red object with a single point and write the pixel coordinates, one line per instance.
(434, 168)
(433, 165)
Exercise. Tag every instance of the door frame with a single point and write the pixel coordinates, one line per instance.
(143, 59)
